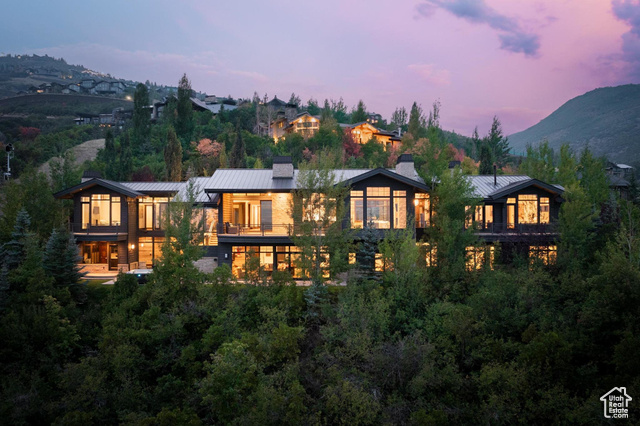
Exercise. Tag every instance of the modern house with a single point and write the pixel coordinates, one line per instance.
(517, 212)
(248, 214)
(119, 226)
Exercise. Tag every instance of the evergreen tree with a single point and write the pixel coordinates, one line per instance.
(476, 144)
(173, 157)
(60, 259)
(141, 119)
(498, 144)
(416, 122)
(367, 253)
(184, 119)
(110, 155)
(359, 113)
(486, 163)
(12, 253)
(126, 159)
(238, 153)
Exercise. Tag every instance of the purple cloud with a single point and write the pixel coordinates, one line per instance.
(629, 11)
(512, 38)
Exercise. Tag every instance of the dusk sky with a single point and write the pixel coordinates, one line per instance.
(517, 59)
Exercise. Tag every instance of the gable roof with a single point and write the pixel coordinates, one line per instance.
(483, 185)
(114, 186)
(256, 180)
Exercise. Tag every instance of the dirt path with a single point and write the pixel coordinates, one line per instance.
(83, 152)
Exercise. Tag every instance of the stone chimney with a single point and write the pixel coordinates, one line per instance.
(405, 166)
(282, 168)
(90, 174)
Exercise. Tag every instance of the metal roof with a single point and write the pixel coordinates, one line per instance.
(198, 189)
(255, 180)
(483, 185)
(147, 187)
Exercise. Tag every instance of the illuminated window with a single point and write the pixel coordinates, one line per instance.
(478, 256)
(422, 212)
(544, 210)
(528, 209)
(488, 216)
(378, 207)
(511, 213)
(430, 253)
(149, 249)
(399, 209)
(152, 212)
(101, 210)
(352, 258)
(357, 209)
(547, 255)
(379, 263)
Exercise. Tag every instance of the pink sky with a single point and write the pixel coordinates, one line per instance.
(519, 60)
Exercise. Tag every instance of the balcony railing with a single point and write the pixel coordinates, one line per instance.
(87, 228)
(230, 229)
(518, 228)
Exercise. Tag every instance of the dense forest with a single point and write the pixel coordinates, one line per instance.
(429, 341)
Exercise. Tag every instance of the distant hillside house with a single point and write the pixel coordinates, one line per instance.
(304, 124)
(363, 132)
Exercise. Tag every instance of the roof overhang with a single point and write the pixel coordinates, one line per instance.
(70, 192)
(509, 189)
(389, 174)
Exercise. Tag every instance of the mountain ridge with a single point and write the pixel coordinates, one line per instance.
(606, 119)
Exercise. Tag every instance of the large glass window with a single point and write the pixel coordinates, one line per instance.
(149, 250)
(423, 211)
(378, 207)
(528, 209)
(152, 212)
(243, 257)
(101, 210)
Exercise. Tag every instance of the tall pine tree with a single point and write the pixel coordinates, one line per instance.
(173, 157)
(184, 119)
(237, 160)
(141, 119)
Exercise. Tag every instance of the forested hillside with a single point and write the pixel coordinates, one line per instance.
(605, 119)
(519, 343)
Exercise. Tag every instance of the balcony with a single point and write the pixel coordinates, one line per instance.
(519, 229)
(80, 230)
(260, 230)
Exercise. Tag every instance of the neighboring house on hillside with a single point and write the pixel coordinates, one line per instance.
(620, 177)
(304, 124)
(363, 132)
(248, 213)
